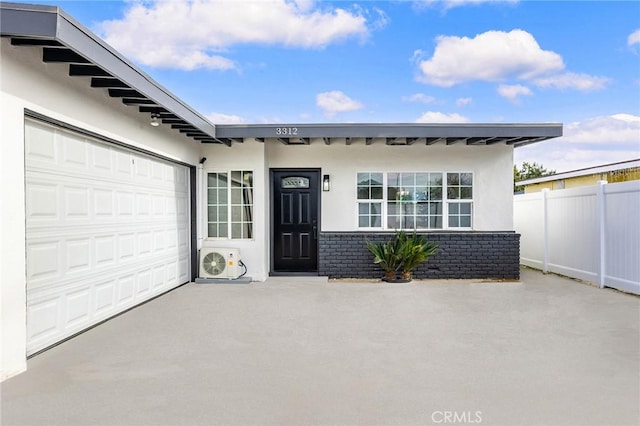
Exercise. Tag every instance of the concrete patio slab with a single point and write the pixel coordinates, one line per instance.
(307, 351)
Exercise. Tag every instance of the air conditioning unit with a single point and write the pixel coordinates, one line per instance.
(220, 263)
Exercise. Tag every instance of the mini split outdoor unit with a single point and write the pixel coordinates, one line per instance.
(220, 263)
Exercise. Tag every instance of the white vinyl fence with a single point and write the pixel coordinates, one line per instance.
(591, 233)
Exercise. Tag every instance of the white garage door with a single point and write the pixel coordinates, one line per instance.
(107, 229)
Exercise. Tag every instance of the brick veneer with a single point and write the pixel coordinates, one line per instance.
(460, 255)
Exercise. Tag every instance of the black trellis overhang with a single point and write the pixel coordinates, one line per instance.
(63, 40)
(393, 134)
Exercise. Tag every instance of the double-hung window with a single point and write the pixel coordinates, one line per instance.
(370, 195)
(415, 200)
(230, 204)
(460, 199)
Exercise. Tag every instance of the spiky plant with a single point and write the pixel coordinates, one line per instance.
(415, 249)
(387, 255)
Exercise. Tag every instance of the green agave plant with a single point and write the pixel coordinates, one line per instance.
(386, 255)
(415, 250)
(405, 252)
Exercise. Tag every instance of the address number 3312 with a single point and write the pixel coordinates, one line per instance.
(287, 131)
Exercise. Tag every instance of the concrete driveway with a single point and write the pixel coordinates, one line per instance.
(297, 351)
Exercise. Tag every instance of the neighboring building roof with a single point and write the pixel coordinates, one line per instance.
(63, 40)
(605, 168)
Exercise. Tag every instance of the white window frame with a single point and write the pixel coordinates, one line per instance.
(382, 201)
(229, 205)
(445, 201)
(448, 201)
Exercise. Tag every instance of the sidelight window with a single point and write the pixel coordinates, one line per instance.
(370, 196)
(230, 204)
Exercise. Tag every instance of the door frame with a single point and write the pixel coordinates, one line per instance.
(271, 218)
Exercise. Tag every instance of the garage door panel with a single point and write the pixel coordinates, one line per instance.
(84, 252)
(40, 144)
(183, 269)
(105, 297)
(74, 151)
(42, 201)
(102, 159)
(78, 308)
(126, 289)
(76, 202)
(78, 255)
(142, 168)
(126, 247)
(158, 172)
(124, 204)
(143, 284)
(105, 250)
(103, 203)
(124, 165)
(171, 271)
(107, 229)
(43, 321)
(43, 260)
(158, 277)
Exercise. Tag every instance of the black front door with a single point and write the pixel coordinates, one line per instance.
(294, 219)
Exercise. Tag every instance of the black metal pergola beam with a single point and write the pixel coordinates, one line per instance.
(62, 55)
(35, 42)
(77, 70)
(102, 82)
(125, 93)
(138, 101)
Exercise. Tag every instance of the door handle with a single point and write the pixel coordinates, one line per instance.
(315, 229)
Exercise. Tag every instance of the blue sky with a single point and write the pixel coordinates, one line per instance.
(477, 61)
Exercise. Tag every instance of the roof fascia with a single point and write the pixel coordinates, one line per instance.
(464, 130)
(28, 20)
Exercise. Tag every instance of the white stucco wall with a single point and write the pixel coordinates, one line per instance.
(492, 167)
(27, 82)
(249, 156)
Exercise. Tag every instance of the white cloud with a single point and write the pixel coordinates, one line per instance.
(191, 34)
(634, 38)
(450, 4)
(591, 142)
(490, 56)
(570, 80)
(335, 102)
(419, 97)
(463, 101)
(441, 117)
(617, 129)
(512, 91)
(219, 118)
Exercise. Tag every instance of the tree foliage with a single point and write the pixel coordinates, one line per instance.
(529, 171)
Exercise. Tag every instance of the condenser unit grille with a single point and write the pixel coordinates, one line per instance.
(219, 263)
(214, 263)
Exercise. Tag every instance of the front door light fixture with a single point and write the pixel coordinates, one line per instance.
(326, 183)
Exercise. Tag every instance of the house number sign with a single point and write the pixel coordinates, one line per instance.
(286, 131)
(294, 182)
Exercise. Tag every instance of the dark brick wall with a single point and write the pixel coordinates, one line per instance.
(460, 255)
